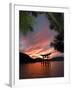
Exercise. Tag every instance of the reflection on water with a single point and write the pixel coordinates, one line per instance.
(42, 69)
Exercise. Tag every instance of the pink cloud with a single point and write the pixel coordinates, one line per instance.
(38, 42)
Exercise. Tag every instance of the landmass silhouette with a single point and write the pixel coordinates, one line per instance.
(24, 58)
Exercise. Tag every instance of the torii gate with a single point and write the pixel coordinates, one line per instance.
(46, 55)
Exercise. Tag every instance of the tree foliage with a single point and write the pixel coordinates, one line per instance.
(27, 20)
(57, 23)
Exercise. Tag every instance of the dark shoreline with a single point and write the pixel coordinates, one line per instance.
(24, 58)
(41, 61)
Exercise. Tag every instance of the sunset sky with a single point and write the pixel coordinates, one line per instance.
(38, 41)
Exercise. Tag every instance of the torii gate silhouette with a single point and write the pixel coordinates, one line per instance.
(46, 55)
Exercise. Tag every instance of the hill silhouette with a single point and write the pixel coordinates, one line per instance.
(24, 58)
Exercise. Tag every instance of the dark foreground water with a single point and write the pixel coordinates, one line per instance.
(42, 69)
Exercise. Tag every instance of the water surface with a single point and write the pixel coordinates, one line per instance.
(42, 69)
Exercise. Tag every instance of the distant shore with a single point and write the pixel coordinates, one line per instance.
(24, 58)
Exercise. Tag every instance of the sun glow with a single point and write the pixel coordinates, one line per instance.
(38, 52)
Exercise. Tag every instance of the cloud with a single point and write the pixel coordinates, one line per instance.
(38, 41)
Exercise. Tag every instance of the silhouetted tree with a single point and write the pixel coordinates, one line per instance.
(57, 23)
